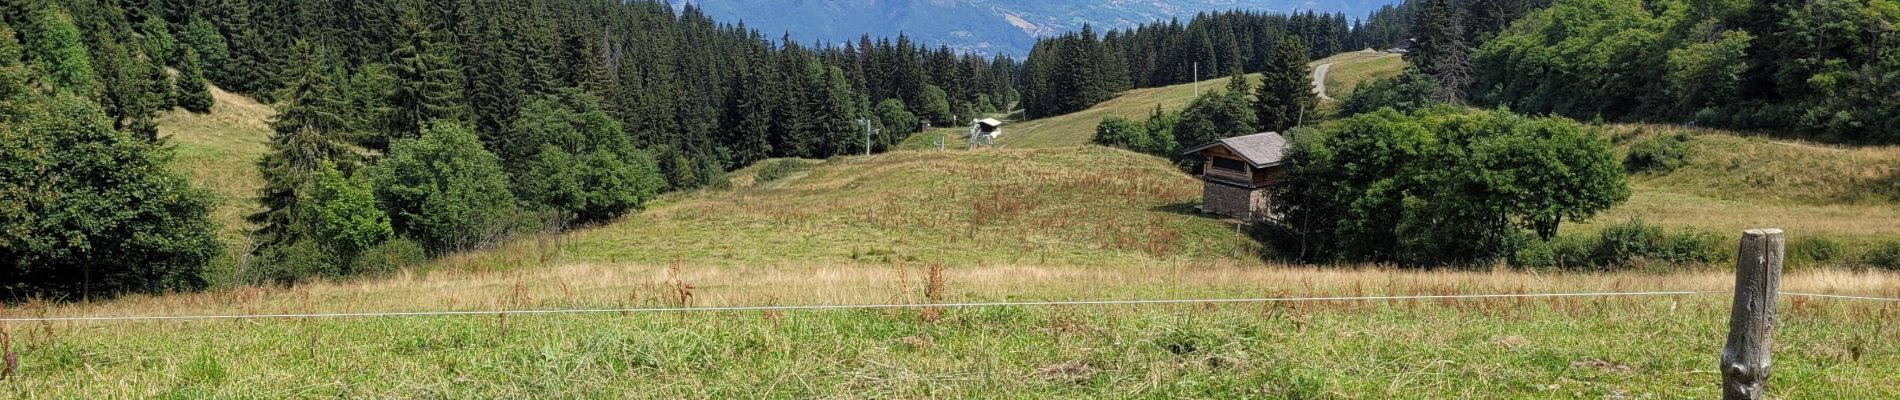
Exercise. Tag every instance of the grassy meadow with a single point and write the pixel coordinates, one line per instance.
(1734, 182)
(218, 151)
(1091, 205)
(826, 232)
(1351, 69)
(1045, 217)
(1497, 348)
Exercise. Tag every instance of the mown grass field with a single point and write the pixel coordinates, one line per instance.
(1351, 69)
(1045, 219)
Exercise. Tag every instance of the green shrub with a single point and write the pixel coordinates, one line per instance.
(86, 210)
(1444, 186)
(1633, 243)
(1660, 154)
(445, 190)
(1120, 132)
(1693, 247)
(1885, 256)
(896, 119)
(564, 153)
(294, 263)
(1570, 252)
(1622, 246)
(1813, 251)
(1407, 92)
(390, 256)
(341, 213)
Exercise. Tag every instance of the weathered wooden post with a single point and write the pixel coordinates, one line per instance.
(1751, 323)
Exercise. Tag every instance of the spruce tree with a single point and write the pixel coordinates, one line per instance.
(426, 86)
(133, 90)
(192, 91)
(305, 135)
(245, 67)
(1441, 51)
(1286, 89)
(203, 38)
(159, 41)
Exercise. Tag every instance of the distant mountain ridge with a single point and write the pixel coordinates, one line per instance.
(982, 26)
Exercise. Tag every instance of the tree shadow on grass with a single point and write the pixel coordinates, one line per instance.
(1190, 208)
(1889, 187)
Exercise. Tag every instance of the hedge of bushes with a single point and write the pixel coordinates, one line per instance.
(1634, 245)
(1623, 246)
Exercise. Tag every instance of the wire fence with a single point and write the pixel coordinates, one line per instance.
(820, 307)
(1844, 297)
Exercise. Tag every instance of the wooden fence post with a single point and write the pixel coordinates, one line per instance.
(1751, 323)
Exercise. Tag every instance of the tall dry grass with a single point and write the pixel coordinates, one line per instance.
(595, 285)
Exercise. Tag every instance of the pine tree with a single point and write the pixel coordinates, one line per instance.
(203, 38)
(246, 66)
(306, 135)
(1441, 51)
(426, 87)
(1286, 91)
(192, 91)
(134, 90)
(159, 41)
(494, 76)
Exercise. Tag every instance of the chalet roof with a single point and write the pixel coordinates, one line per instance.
(1263, 149)
(990, 122)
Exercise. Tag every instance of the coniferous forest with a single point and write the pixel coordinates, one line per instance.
(408, 128)
(1073, 71)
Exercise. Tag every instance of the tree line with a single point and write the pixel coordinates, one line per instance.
(84, 207)
(1819, 68)
(1279, 103)
(1073, 71)
(411, 128)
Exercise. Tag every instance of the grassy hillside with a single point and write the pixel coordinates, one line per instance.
(1734, 182)
(1019, 223)
(1351, 69)
(998, 225)
(218, 151)
(1348, 71)
(1088, 205)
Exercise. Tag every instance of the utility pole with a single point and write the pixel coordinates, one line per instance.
(868, 131)
(1197, 79)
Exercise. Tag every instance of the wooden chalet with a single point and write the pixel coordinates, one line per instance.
(1236, 171)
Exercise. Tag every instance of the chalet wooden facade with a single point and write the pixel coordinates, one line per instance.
(1236, 171)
